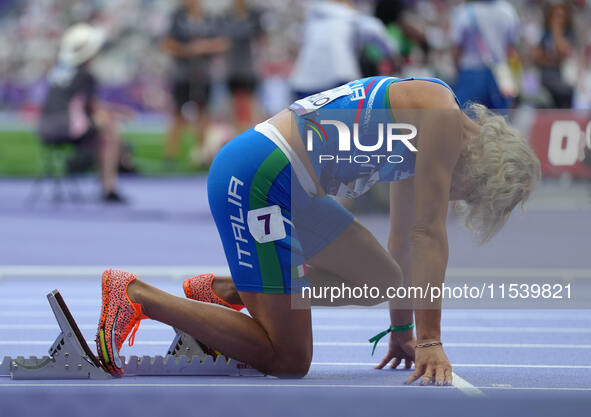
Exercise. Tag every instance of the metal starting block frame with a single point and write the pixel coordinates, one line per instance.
(70, 357)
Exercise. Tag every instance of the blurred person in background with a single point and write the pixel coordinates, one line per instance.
(193, 39)
(243, 29)
(72, 114)
(402, 26)
(555, 47)
(484, 34)
(333, 35)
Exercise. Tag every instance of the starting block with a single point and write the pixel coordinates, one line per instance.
(70, 357)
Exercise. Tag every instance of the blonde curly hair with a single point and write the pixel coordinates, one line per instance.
(501, 171)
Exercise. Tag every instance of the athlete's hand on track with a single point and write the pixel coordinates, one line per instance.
(401, 346)
(432, 365)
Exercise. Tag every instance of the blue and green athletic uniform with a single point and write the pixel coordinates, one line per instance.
(269, 224)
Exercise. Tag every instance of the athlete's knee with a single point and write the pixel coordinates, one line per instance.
(292, 364)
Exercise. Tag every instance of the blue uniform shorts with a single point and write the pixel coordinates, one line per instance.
(269, 226)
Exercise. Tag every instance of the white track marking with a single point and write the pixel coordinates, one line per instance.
(54, 326)
(455, 365)
(37, 313)
(563, 273)
(342, 314)
(461, 365)
(470, 345)
(228, 385)
(42, 301)
(461, 329)
(471, 329)
(179, 272)
(466, 387)
(448, 314)
(94, 272)
(90, 342)
(347, 344)
(111, 384)
(538, 388)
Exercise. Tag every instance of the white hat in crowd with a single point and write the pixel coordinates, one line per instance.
(80, 43)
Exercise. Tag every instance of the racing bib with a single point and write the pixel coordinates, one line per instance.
(314, 102)
(266, 224)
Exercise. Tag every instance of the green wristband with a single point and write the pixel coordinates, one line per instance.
(380, 335)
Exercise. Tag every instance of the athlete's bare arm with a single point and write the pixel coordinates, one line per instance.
(401, 344)
(439, 123)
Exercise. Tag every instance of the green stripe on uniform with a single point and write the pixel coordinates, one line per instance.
(271, 275)
(387, 103)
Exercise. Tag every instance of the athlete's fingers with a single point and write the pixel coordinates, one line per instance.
(427, 376)
(448, 376)
(384, 361)
(439, 376)
(395, 363)
(415, 375)
(407, 363)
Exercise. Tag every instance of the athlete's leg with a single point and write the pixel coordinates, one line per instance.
(357, 258)
(353, 258)
(224, 288)
(276, 339)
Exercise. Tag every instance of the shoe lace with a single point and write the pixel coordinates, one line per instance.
(133, 332)
(139, 317)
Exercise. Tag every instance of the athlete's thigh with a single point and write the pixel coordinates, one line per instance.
(289, 329)
(358, 258)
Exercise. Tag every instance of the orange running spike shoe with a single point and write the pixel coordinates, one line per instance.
(200, 288)
(119, 318)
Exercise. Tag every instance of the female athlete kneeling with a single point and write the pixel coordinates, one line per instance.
(269, 192)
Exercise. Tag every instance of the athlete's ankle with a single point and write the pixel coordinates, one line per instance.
(134, 292)
(224, 288)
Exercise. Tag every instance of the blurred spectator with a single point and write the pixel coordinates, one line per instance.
(332, 37)
(135, 71)
(484, 33)
(243, 28)
(193, 39)
(71, 114)
(401, 24)
(553, 52)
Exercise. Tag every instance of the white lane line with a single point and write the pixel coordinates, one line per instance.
(90, 342)
(470, 345)
(177, 272)
(94, 272)
(536, 315)
(93, 302)
(462, 365)
(349, 344)
(538, 388)
(228, 385)
(564, 273)
(455, 365)
(470, 329)
(33, 313)
(117, 385)
(55, 326)
(466, 387)
(336, 315)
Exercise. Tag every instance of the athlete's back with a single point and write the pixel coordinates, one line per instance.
(351, 136)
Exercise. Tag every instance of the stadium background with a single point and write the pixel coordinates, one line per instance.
(133, 70)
